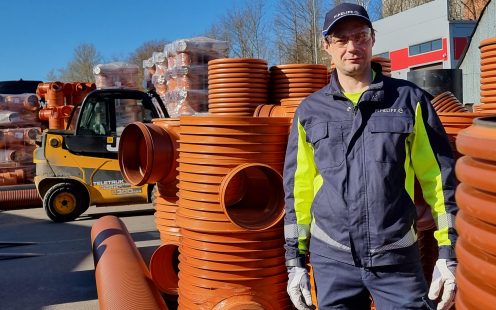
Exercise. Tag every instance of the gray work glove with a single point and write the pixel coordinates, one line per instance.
(443, 279)
(299, 288)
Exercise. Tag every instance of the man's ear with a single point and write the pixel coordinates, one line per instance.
(324, 44)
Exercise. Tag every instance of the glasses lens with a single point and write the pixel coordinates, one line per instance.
(361, 37)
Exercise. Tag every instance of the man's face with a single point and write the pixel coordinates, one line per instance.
(350, 46)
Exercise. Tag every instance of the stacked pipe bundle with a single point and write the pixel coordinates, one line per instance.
(19, 128)
(116, 74)
(296, 80)
(18, 110)
(447, 102)
(187, 74)
(476, 220)
(230, 211)
(55, 112)
(75, 92)
(488, 75)
(385, 64)
(237, 85)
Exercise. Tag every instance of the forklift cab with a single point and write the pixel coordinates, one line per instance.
(103, 116)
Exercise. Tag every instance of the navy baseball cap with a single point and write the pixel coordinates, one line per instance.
(341, 11)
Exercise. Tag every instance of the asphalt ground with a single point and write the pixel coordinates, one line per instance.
(51, 265)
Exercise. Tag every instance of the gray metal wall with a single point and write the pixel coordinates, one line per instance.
(470, 64)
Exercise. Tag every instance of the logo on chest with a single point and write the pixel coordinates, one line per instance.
(390, 110)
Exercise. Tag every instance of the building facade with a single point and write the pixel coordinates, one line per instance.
(422, 38)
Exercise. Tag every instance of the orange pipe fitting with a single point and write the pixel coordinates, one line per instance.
(80, 92)
(42, 89)
(164, 268)
(146, 153)
(55, 94)
(122, 278)
(252, 196)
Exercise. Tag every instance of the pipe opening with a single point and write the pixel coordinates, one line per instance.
(164, 268)
(252, 196)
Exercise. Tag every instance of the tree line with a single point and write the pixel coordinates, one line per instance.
(290, 34)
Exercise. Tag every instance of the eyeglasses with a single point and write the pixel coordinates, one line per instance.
(359, 38)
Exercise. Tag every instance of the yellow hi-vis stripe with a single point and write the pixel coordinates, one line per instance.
(429, 175)
(304, 181)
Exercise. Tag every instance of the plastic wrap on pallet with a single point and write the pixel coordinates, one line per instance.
(21, 155)
(187, 74)
(19, 103)
(20, 174)
(17, 119)
(116, 74)
(186, 102)
(18, 137)
(199, 46)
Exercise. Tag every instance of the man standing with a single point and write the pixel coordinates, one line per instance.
(354, 151)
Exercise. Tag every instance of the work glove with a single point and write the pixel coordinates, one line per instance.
(299, 288)
(443, 279)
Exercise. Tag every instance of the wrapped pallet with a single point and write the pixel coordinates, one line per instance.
(187, 74)
(116, 74)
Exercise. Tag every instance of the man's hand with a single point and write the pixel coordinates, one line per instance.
(443, 279)
(299, 288)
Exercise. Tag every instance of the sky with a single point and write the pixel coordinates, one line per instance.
(40, 35)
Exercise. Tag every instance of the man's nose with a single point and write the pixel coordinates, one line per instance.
(352, 45)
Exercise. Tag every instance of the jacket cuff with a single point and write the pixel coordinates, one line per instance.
(447, 252)
(299, 261)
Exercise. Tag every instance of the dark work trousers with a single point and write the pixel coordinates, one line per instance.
(344, 286)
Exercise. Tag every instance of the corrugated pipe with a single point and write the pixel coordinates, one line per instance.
(122, 278)
(22, 196)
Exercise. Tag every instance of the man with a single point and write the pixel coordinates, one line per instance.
(354, 151)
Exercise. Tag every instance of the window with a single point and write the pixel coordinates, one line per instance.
(94, 120)
(425, 47)
(385, 55)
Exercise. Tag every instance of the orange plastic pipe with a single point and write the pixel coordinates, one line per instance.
(122, 278)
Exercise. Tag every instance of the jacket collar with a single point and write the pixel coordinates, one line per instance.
(376, 87)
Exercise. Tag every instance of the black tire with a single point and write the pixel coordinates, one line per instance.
(64, 202)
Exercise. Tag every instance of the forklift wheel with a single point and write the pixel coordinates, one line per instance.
(64, 202)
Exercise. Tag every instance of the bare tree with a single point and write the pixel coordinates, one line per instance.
(466, 9)
(245, 29)
(391, 7)
(80, 68)
(297, 31)
(458, 9)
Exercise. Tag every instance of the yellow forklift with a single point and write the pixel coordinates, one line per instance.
(79, 167)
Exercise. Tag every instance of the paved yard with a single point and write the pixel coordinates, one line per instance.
(61, 275)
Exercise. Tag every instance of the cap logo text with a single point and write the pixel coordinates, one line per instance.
(345, 13)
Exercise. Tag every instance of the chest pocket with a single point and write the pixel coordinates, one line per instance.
(387, 137)
(328, 144)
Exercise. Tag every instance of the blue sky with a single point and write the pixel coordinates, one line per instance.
(40, 35)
